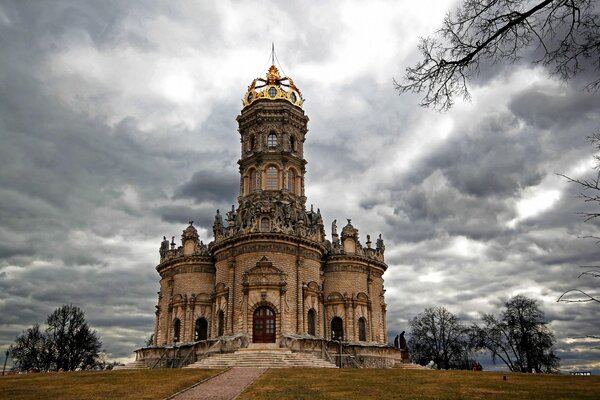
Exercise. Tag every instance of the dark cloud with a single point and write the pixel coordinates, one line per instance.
(182, 214)
(214, 186)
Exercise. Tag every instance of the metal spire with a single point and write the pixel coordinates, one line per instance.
(272, 53)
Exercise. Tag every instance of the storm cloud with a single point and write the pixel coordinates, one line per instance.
(117, 126)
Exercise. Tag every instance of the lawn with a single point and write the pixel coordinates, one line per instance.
(132, 384)
(306, 383)
(381, 384)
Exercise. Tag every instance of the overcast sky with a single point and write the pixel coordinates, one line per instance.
(117, 126)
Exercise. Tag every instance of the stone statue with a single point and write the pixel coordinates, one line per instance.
(334, 228)
(218, 218)
(164, 245)
(402, 342)
(396, 341)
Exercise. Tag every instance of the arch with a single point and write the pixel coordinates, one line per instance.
(337, 328)
(252, 142)
(271, 178)
(335, 296)
(362, 329)
(176, 329)
(263, 325)
(272, 140)
(265, 224)
(201, 329)
(221, 323)
(311, 318)
(293, 146)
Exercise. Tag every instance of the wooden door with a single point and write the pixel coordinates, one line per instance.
(263, 325)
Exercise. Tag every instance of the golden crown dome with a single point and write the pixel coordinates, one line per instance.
(273, 87)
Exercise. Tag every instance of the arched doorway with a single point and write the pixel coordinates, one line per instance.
(263, 325)
(337, 328)
(201, 331)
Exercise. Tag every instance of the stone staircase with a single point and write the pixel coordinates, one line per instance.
(262, 357)
(131, 365)
(402, 365)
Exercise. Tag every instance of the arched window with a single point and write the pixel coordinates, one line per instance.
(272, 140)
(272, 179)
(265, 225)
(201, 331)
(221, 330)
(311, 322)
(176, 329)
(292, 143)
(252, 182)
(362, 329)
(291, 181)
(252, 142)
(337, 328)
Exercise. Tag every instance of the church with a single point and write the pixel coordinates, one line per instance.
(270, 275)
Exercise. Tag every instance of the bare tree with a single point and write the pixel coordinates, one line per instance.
(30, 351)
(68, 343)
(74, 344)
(590, 193)
(490, 31)
(519, 337)
(438, 335)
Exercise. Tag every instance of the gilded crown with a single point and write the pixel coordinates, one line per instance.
(273, 87)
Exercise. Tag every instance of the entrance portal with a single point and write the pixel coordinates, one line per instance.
(263, 325)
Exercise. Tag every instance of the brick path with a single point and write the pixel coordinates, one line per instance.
(226, 386)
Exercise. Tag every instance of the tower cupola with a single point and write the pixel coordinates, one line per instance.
(273, 87)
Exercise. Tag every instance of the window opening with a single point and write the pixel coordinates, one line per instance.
(221, 323)
(176, 329)
(291, 182)
(311, 322)
(362, 330)
(265, 225)
(272, 181)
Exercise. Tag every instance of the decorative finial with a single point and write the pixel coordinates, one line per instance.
(349, 221)
(191, 223)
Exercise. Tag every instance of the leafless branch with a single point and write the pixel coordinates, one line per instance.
(567, 32)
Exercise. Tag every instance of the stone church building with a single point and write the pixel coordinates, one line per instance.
(270, 275)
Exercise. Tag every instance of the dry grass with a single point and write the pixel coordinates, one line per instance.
(382, 384)
(133, 384)
(306, 383)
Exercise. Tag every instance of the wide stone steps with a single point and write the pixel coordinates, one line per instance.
(131, 365)
(409, 366)
(263, 358)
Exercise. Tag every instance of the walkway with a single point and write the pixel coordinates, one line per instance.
(225, 386)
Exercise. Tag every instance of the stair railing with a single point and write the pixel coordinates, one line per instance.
(182, 363)
(159, 360)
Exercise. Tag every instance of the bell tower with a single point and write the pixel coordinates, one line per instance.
(272, 126)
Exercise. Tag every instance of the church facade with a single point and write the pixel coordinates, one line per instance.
(271, 272)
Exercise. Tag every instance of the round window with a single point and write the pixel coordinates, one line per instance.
(293, 97)
(272, 92)
(250, 97)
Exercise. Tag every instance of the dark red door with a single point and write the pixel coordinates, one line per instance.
(263, 325)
